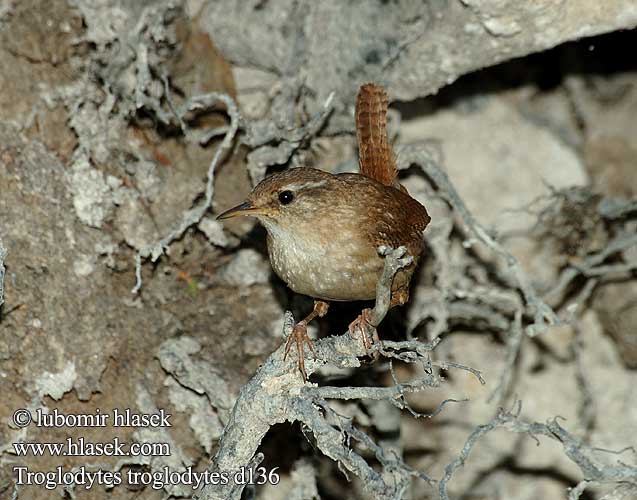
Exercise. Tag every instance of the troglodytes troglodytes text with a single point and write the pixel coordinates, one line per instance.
(324, 230)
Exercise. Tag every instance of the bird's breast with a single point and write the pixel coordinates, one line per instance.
(325, 266)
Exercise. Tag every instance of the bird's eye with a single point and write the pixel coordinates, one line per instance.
(286, 197)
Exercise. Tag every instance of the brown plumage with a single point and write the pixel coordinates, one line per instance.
(324, 230)
(376, 158)
(324, 243)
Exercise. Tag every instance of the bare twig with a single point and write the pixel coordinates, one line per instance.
(407, 350)
(591, 266)
(577, 451)
(514, 342)
(346, 425)
(193, 216)
(445, 365)
(459, 462)
(577, 491)
(274, 145)
(394, 260)
(276, 394)
(420, 155)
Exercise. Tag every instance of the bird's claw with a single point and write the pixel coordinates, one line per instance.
(361, 323)
(299, 335)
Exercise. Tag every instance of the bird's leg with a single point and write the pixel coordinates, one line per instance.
(299, 335)
(398, 298)
(361, 323)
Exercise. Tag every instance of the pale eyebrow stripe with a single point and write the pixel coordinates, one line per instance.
(306, 185)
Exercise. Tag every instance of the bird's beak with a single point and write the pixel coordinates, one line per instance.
(245, 208)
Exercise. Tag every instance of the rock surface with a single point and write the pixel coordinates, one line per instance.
(97, 163)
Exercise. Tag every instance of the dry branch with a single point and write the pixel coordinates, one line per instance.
(277, 394)
(195, 215)
(593, 470)
(289, 143)
(592, 266)
(542, 314)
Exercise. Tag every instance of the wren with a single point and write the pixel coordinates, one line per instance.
(324, 230)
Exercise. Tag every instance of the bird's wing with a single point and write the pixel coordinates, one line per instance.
(401, 220)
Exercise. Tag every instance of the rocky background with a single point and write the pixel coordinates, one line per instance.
(125, 125)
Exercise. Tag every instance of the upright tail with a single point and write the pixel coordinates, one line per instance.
(376, 158)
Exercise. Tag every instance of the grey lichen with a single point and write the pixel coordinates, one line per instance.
(277, 393)
(594, 463)
(177, 358)
(56, 384)
(204, 420)
(213, 230)
(92, 196)
(177, 459)
(247, 268)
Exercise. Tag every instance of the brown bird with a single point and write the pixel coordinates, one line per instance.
(324, 230)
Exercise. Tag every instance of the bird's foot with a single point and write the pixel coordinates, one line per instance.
(299, 335)
(362, 322)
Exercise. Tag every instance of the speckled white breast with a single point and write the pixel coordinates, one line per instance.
(322, 266)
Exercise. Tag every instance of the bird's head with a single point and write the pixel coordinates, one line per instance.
(285, 199)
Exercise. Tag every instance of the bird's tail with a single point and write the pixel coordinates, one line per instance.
(376, 158)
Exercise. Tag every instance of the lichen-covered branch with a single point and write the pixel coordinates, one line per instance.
(274, 145)
(593, 469)
(514, 341)
(195, 215)
(422, 156)
(208, 101)
(592, 266)
(277, 394)
(396, 261)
